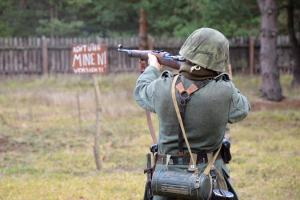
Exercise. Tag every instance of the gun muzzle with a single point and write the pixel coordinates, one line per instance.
(120, 46)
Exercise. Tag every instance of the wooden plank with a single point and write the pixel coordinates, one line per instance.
(15, 56)
(68, 55)
(50, 59)
(11, 57)
(45, 55)
(5, 56)
(39, 54)
(19, 56)
(53, 57)
(30, 57)
(64, 56)
(61, 56)
(1, 61)
(34, 57)
(251, 55)
(58, 60)
(25, 57)
(7, 68)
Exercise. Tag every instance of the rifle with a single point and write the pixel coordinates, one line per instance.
(149, 171)
(163, 57)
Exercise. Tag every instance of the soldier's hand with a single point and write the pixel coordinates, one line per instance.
(143, 65)
(152, 60)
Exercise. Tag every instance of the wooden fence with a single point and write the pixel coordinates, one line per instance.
(38, 55)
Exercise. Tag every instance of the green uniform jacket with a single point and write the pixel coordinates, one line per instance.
(206, 116)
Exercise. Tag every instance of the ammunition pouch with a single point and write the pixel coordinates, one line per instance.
(225, 151)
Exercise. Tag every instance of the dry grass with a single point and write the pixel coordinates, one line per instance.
(46, 154)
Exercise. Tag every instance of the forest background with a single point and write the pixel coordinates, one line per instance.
(109, 18)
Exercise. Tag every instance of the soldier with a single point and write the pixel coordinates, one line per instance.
(208, 100)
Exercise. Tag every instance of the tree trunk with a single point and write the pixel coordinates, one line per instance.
(98, 124)
(270, 88)
(23, 4)
(143, 30)
(296, 69)
(294, 44)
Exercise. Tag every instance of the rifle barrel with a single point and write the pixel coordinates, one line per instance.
(164, 58)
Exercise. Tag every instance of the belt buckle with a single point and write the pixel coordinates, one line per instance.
(202, 158)
(180, 160)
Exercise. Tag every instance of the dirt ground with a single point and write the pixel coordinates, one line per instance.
(268, 105)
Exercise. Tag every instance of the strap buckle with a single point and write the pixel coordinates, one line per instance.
(184, 98)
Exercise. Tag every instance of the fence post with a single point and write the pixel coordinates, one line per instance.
(251, 54)
(98, 125)
(45, 55)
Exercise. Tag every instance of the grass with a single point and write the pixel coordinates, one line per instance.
(46, 150)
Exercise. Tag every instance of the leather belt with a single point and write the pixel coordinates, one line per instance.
(181, 160)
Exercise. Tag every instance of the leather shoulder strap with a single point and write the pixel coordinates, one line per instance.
(211, 162)
(173, 93)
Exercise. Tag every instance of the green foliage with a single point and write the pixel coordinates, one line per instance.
(120, 18)
(175, 18)
(283, 16)
(59, 28)
(112, 17)
(232, 17)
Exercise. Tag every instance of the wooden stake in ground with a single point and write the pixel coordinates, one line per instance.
(230, 71)
(79, 112)
(98, 123)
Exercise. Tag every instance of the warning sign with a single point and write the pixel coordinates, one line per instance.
(89, 58)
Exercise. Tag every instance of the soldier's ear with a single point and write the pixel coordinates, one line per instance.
(223, 76)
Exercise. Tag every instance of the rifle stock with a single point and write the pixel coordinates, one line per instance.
(149, 170)
(163, 57)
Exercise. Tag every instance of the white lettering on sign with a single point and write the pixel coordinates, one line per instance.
(91, 58)
(76, 60)
(101, 58)
(87, 59)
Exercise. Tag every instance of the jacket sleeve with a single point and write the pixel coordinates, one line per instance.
(145, 88)
(239, 106)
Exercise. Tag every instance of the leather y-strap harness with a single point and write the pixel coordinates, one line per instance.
(183, 96)
(193, 164)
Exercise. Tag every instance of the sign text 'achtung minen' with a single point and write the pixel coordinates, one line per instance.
(89, 58)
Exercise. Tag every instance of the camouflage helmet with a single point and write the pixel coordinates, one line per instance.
(207, 48)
